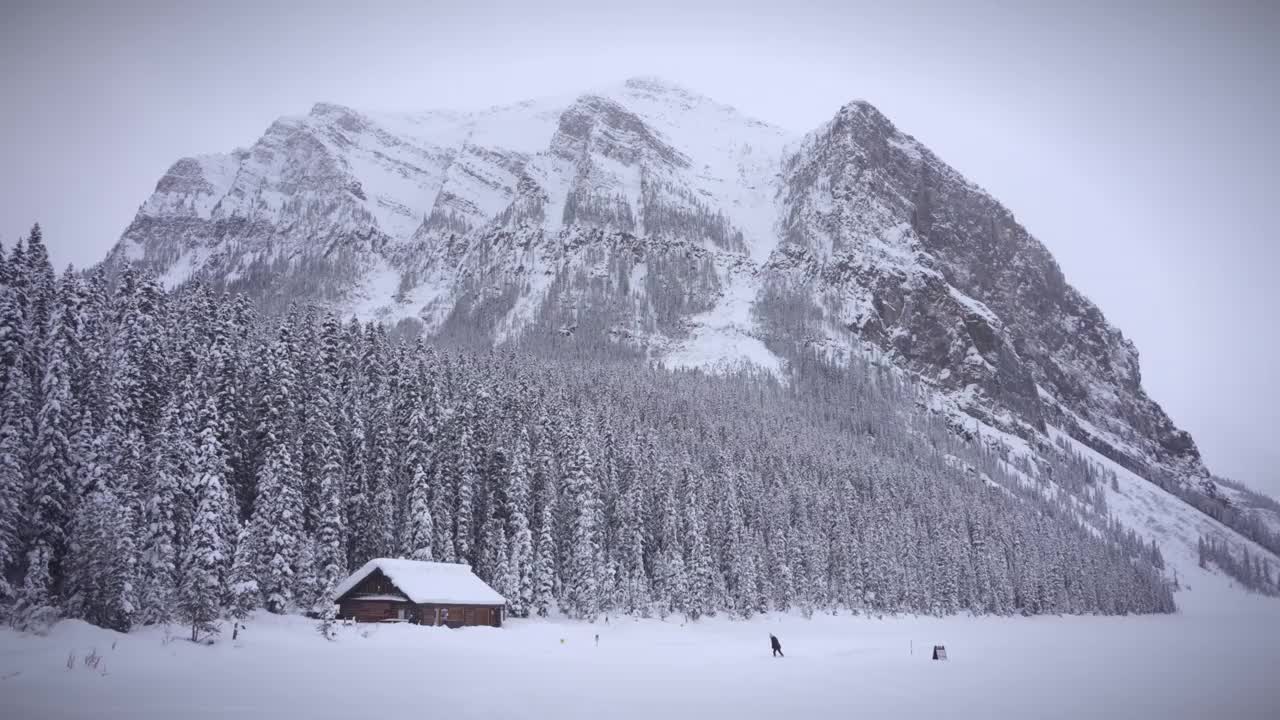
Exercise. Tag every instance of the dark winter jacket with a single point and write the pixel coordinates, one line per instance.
(774, 641)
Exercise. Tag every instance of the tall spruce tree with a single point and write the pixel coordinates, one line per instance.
(164, 524)
(582, 570)
(208, 553)
(419, 523)
(53, 475)
(103, 569)
(519, 580)
(277, 528)
(15, 442)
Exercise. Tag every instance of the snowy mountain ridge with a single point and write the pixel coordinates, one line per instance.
(652, 217)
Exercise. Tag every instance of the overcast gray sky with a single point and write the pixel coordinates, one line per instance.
(1138, 143)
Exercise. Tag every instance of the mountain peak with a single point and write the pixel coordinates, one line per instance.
(665, 91)
(657, 215)
(860, 105)
(653, 83)
(864, 113)
(322, 109)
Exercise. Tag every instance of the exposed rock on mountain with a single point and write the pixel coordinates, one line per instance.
(656, 219)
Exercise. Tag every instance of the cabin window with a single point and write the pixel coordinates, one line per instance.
(400, 613)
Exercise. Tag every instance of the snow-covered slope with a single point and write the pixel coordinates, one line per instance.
(405, 216)
(1160, 516)
(647, 215)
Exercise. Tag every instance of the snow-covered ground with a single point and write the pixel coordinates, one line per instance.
(1217, 658)
(724, 338)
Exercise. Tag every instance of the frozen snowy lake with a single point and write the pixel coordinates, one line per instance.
(1218, 658)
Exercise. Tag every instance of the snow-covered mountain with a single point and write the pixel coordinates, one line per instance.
(653, 217)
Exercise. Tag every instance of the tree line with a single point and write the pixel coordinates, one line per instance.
(173, 456)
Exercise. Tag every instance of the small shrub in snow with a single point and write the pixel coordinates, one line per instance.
(36, 620)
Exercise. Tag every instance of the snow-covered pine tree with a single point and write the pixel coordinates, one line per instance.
(243, 595)
(208, 552)
(519, 579)
(277, 411)
(311, 411)
(543, 575)
(41, 298)
(582, 571)
(54, 469)
(129, 389)
(15, 443)
(378, 525)
(384, 495)
(497, 564)
(630, 550)
(306, 590)
(464, 467)
(974, 553)
(235, 388)
(331, 551)
(277, 528)
(356, 498)
(13, 322)
(670, 580)
(96, 343)
(419, 523)
(701, 598)
(491, 533)
(331, 555)
(200, 597)
(742, 553)
(137, 360)
(73, 304)
(442, 494)
(34, 609)
(161, 535)
(374, 529)
(102, 579)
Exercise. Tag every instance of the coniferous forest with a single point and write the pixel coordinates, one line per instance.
(176, 457)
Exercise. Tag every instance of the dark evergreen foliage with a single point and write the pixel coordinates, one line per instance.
(172, 456)
(1252, 570)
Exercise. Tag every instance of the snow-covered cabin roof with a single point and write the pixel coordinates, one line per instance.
(427, 582)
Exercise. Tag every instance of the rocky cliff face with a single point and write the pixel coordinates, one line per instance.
(889, 243)
(656, 219)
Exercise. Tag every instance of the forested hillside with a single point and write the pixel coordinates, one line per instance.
(171, 456)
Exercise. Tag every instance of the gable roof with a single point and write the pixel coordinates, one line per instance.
(427, 582)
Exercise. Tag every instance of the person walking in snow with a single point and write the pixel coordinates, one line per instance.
(777, 646)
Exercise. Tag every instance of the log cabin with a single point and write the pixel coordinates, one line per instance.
(413, 591)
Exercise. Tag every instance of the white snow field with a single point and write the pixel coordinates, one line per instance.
(1218, 658)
